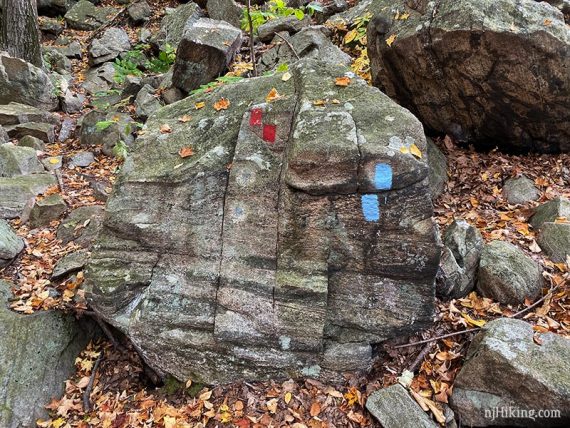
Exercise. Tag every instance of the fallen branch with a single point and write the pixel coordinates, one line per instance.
(87, 393)
(535, 304)
(105, 328)
(288, 44)
(433, 339)
(420, 357)
(251, 42)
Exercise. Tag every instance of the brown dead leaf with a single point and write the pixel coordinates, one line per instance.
(165, 129)
(342, 81)
(185, 118)
(221, 104)
(186, 152)
(315, 409)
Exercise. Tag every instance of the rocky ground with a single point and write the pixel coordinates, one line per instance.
(504, 220)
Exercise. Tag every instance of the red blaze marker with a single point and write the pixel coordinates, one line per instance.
(255, 117)
(269, 132)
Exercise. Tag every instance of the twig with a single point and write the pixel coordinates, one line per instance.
(433, 339)
(420, 357)
(105, 328)
(251, 42)
(288, 44)
(87, 393)
(535, 304)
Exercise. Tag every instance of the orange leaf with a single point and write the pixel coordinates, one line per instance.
(186, 152)
(342, 81)
(165, 129)
(185, 118)
(315, 409)
(222, 104)
(272, 95)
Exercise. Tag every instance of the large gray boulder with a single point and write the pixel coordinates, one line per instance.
(290, 24)
(269, 239)
(10, 243)
(85, 16)
(506, 371)
(558, 208)
(507, 274)
(112, 42)
(459, 261)
(520, 190)
(16, 160)
(204, 53)
(37, 355)
(16, 113)
(225, 10)
(82, 225)
(16, 192)
(488, 72)
(106, 130)
(311, 42)
(24, 83)
(554, 239)
(393, 407)
(174, 23)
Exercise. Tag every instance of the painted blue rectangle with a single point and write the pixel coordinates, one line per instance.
(383, 176)
(370, 207)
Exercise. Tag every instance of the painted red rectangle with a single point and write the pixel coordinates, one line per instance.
(269, 132)
(255, 117)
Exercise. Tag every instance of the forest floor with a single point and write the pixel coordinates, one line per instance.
(121, 394)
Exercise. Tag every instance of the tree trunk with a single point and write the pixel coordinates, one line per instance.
(20, 34)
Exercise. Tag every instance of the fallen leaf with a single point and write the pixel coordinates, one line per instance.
(288, 397)
(319, 103)
(286, 76)
(415, 151)
(390, 40)
(199, 105)
(534, 247)
(53, 161)
(477, 323)
(548, 22)
(272, 95)
(342, 81)
(185, 118)
(222, 104)
(536, 338)
(272, 405)
(185, 152)
(169, 422)
(404, 150)
(165, 129)
(315, 409)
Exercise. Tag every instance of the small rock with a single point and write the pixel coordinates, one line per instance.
(52, 163)
(43, 131)
(459, 261)
(56, 61)
(146, 103)
(329, 9)
(16, 192)
(85, 16)
(172, 95)
(70, 263)
(173, 24)
(291, 24)
(145, 35)
(520, 190)
(100, 79)
(25, 83)
(200, 57)
(393, 407)
(18, 160)
(139, 12)
(506, 368)
(554, 239)
(46, 210)
(81, 159)
(108, 47)
(72, 102)
(67, 129)
(16, 113)
(54, 7)
(225, 10)
(51, 26)
(82, 225)
(132, 86)
(107, 129)
(10, 244)
(32, 142)
(4, 138)
(437, 169)
(507, 274)
(70, 50)
(550, 211)
(100, 190)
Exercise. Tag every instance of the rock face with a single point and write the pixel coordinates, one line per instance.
(394, 408)
(289, 24)
(16, 113)
(507, 274)
(520, 190)
(16, 160)
(37, 355)
(173, 24)
(16, 192)
(225, 10)
(24, 83)
(506, 369)
(85, 16)
(205, 51)
(44, 211)
(554, 239)
(81, 225)
(437, 170)
(459, 260)
(10, 243)
(108, 47)
(489, 72)
(315, 244)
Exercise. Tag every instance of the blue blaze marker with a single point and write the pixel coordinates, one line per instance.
(370, 207)
(383, 176)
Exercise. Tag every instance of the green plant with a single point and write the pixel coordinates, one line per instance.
(222, 80)
(121, 150)
(104, 124)
(274, 9)
(125, 68)
(163, 61)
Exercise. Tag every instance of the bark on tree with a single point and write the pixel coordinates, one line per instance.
(19, 30)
